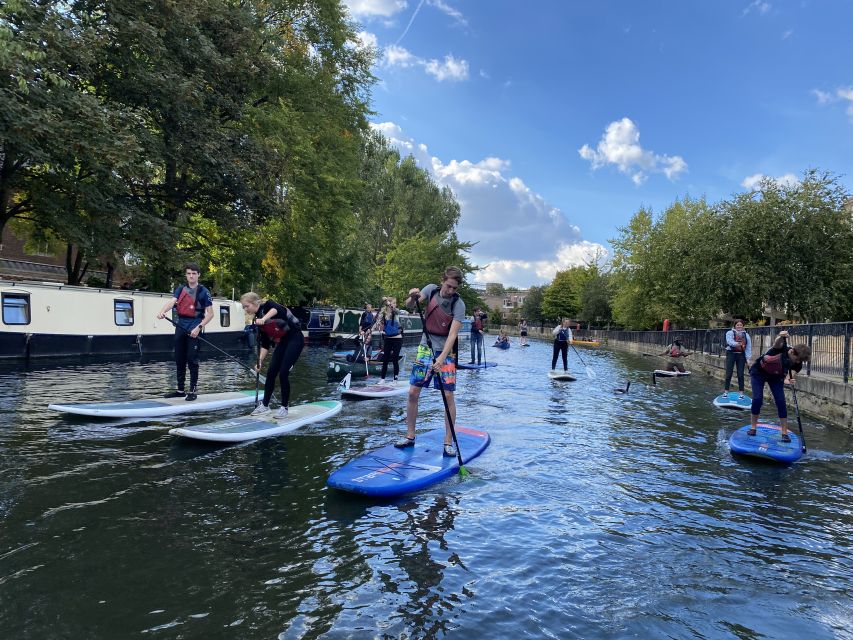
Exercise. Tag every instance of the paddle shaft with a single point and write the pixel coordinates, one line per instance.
(440, 385)
(799, 422)
(225, 353)
(258, 372)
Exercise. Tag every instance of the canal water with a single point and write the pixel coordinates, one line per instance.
(591, 515)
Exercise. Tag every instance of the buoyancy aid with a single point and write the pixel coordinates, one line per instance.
(186, 304)
(563, 335)
(675, 351)
(772, 365)
(438, 321)
(277, 328)
(392, 326)
(740, 338)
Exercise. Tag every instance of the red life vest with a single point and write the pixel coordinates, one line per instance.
(477, 325)
(185, 305)
(740, 338)
(772, 365)
(438, 321)
(674, 352)
(275, 329)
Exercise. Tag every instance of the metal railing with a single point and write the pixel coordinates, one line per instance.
(829, 342)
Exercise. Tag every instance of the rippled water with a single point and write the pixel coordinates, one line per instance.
(590, 516)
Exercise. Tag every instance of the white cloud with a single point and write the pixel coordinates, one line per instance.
(842, 94)
(367, 40)
(620, 146)
(758, 5)
(787, 34)
(453, 69)
(360, 9)
(754, 181)
(523, 239)
(453, 12)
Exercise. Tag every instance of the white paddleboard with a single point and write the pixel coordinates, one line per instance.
(379, 390)
(561, 375)
(155, 407)
(671, 374)
(254, 427)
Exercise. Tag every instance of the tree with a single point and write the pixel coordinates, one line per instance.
(532, 307)
(562, 298)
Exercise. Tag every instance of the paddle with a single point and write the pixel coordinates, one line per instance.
(589, 372)
(258, 372)
(799, 422)
(225, 353)
(344, 384)
(462, 470)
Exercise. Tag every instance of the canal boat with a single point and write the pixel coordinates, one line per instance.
(339, 368)
(49, 320)
(345, 329)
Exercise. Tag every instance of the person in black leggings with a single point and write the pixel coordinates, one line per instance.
(562, 338)
(392, 334)
(280, 332)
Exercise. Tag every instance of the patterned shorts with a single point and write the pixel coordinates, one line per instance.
(422, 371)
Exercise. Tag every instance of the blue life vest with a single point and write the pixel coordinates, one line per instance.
(392, 326)
(563, 335)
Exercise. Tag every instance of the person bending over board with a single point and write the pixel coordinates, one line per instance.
(674, 352)
(522, 332)
(776, 368)
(738, 353)
(194, 306)
(280, 332)
(392, 336)
(478, 321)
(562, 339)
(443, 317)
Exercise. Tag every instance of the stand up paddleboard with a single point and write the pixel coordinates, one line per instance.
(379, 390)
(561, 375)
(390, 471)
(767, 444)
(671, 374)
(501, 345)
(253, 427)
(732, 400)
(155, 407)
(484, 365)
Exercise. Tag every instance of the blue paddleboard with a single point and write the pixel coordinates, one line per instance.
(767, 443)
(732, 400)
(484, 365)
(501, 345)
(390, 471)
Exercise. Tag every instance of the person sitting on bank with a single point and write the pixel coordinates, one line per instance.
(194, 307)
(674, 353)
(738, 353)
(562, 339)
(776, 368)
(443, 317)
(280, 332)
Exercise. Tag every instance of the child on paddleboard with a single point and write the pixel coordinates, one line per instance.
(776, 368)
(674, 352)
(562, 339)
(280, 332)
(443, 317)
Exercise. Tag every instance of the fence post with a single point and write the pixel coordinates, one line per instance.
(846, 364)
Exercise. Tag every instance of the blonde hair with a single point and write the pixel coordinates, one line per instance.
(251, 297)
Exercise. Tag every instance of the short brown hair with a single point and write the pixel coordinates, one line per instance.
(803, 351)
(455, 273)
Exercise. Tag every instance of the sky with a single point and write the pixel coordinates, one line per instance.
(553, 122)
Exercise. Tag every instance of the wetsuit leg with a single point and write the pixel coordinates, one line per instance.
(555, 353)
(730, 362)
(291, 351)
(181, 339)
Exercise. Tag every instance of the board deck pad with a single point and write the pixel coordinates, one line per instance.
(671, 374)
(732, 400)
(561, 375)
(483, 365)
(245, 428)
(155, 407)
(767, 444)
(390, 471)
(378, 390)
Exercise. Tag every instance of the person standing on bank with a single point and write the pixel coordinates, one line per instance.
(522, 332)
(392, 334)
(443, 317)
(738, 353)
(280, 332)
(562, 339)
(194, 306)
(478, 322)
(776, 368)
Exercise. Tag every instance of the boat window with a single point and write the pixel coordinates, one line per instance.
(16, 308)
(123, 312)
(325, 321)
(224, 316)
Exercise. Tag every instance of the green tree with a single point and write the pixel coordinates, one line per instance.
(562, 298)
(532, 307)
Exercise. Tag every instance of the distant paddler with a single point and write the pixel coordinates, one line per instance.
(280, 332)
(562, 339)
(675, 351)
(194, 307)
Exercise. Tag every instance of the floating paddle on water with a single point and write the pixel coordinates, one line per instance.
(225, 353)
(462, 470)
(589, 372)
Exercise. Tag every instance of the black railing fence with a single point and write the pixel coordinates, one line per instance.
(829, 342)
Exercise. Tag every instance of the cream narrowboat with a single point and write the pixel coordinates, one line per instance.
(44, 320)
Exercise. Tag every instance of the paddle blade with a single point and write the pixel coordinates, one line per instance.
(590, 373)
(345, 383)
(463, 471)
(262, 379)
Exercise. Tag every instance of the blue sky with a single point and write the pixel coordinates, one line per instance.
(554, 121)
